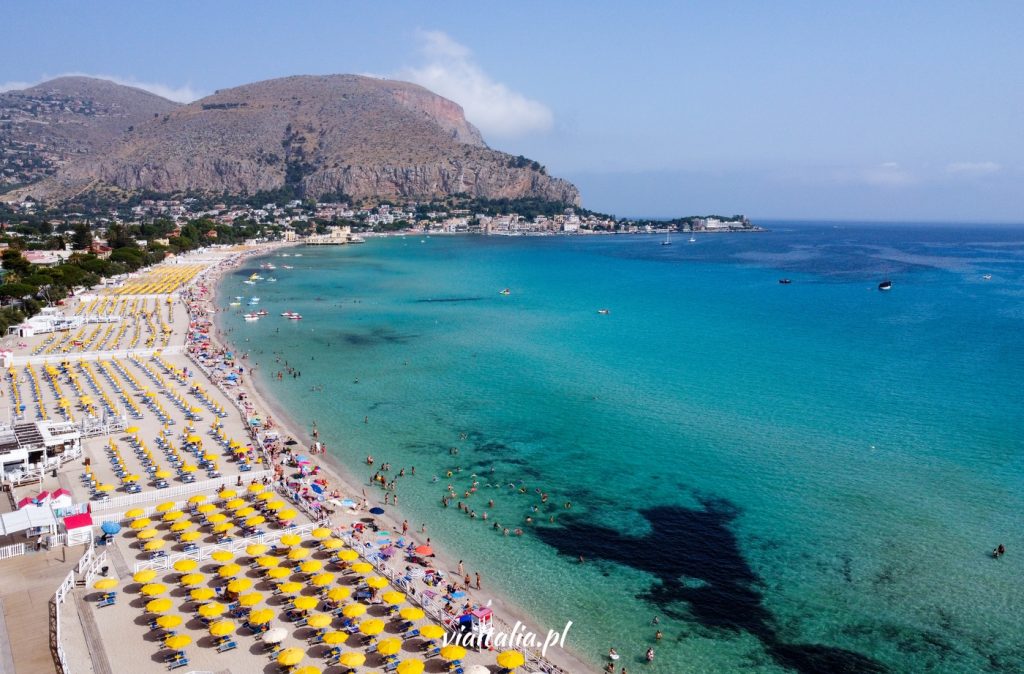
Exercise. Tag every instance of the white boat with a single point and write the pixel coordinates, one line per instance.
(271, 280)
(693, 240)
(287, 314)
(295, 317)
(267, 265)
(298, 255)
(604, 312)
(668, 239)
(249, 283)
(288, 266)
(234, 304)
(262, 312)
(286, 255)
(253, 301)
(987, 277)
(252, 317)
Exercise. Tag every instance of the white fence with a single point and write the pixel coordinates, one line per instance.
(55, 645)
(166, 562)
(128, 501)
(9, 551)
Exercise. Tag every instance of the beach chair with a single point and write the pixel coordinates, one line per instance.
(106, 602)
(433, 652)
(226, 645)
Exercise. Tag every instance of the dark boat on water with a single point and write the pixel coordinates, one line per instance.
(885, 285)
(785, 281)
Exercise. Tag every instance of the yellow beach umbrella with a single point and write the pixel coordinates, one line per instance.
(189, 536)
(411, 666)
(222, 555)
(362, 567)
(185, 565)
(206, 508)
(377, 582)
(266, 495)
(389, 646)
(291, 539)
(227, 494)
(261, 616)
(286, 515)
(290, 657)
(256, 549)
(251, 599)
(154, 589)
(320, 533)
(164, 507)
(348, 555)
(105, 584)
(189, 467)
(335, 638)
(229, 570)
(222, 628)
(203, 594)
(432, 632)
(169, 622)
(274, 505)
(178, 641)
(132, 429)
(319, 620)
(255, 521)
(130, 478)
(339, 593)
(351, 659)
(181, 525)
(267, 562)
(161, 605)
(162, 474)
(305, 603)
(173, 515)
(394, 598)
(311, 566)
(222, 527)
(239, 585)
(210, 457)
(371, 626)
(307, 669)
(332, 544)
(296, 554)
(154, 545)
(255, 487)
(192, 579)
(135, 512)
(212, 610)
(235, 504)
(144, 576)
(279, 572)
(510, 659)
(412, 613)
(105, 487)
(193, 438)
(245, 512)
(147, 534)
(322, 579)
(217, 518)
(453, 652)
(290, 587)
(197, 499)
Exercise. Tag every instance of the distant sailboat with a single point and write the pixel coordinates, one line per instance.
(668, 239)
(692, 240)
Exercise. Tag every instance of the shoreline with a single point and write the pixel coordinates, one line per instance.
(342, 477)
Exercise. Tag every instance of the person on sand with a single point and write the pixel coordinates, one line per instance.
(462, 569)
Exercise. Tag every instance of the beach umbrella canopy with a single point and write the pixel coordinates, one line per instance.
(510, 659)
(267, 562)
(307, 669)
(181, 526)
(453, 652)
(255, 521)
(377, 582)
(296, 554)
(217, 518)
(320, 533)
(311, 566)
(212, 610)
(189, 467)
(169, 622)
(192, 579)
(291, 539)
(228, 494)
(255, 487)
(185, 565)
(412, 666)
(229, 570)
(322, 579)
(162, 474)
(432, 632)
(154, 545)
(290, 587)
(377, 511)
(235, 504)
(178, 641)
(351, 659)
(164, 507)
(353, 610)
(161, 605)
(203, 593)
(197, 499)
(222, 555)
(132, 429)
(394, 597)
(146, 534)
(371, 626)
(140, 523)
(105, 487)
(207, 508)
(105, 583)
(305, 603)
(335, 638)
(189, 536)
(245, 512)
(222, 628)
(412, 613)
(256, 549)
(173, 515)
(193, 439)
(362, 567)
(274, 636)
(274, 505)
(339, 593)
(290, 657)
(222, 527)
(332, 544)
(389, 646)
(250, 600)
(262, 616)
(348, 555)
(266, 495)
(319, 620)
(135, 512)
(110, 528)
(424, 550)
(154, 589)
(279, 572)
(288, 514)
(144, 576)
(239, 585)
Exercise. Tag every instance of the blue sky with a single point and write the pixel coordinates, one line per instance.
(871, 110)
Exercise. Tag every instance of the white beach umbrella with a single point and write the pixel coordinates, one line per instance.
(275, 635)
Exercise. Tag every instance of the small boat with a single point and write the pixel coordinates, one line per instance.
(295, 317)
(298, 255)
(693, 240)
(252, 317)
(253, 302)
(506, 291)
(267, 265)
(271, 280)
(785, 281)
(287, 314)
(885, 285)
(262, 312)
(987, 277)
(234, 304)
(288, 266)
(604, 312)
(249, 283)
(668, 239)
(286, 254)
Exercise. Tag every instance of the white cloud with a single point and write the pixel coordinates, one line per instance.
(182, 94)
(973, 168)
(888, 174)
(493, 107)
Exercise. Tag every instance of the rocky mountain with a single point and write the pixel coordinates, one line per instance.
(359, 136)
(45, 127)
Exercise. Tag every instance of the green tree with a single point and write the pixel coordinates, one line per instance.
(82, 237)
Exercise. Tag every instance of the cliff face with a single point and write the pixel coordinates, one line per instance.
(359, 136)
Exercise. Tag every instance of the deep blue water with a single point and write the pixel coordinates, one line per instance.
(804, 477)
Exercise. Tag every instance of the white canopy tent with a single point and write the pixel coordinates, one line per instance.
(28, 518)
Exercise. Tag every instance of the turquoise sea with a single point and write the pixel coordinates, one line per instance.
(805, 477)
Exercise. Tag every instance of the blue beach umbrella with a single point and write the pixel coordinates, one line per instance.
(376, 511)
(110, 528)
